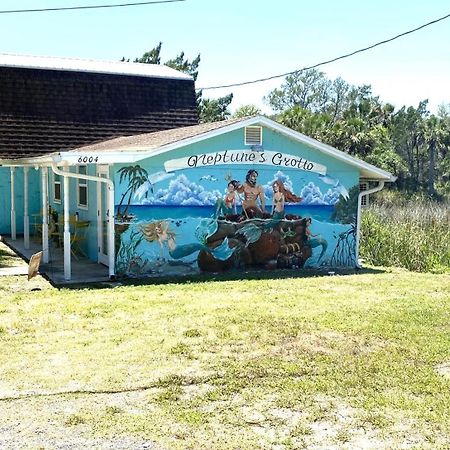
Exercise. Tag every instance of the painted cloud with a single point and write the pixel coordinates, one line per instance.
(312, 195)
(182, 192)
(268, 190)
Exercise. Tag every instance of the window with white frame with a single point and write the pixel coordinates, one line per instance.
(82, 189)
(56, 188)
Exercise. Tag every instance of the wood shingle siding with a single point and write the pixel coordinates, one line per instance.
(43, 111)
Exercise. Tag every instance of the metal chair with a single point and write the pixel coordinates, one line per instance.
(78, 238)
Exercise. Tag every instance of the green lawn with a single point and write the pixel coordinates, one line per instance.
(357, 361)
(8, 258)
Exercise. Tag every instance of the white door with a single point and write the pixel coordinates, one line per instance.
(102, 216)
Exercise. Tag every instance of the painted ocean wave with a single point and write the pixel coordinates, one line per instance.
(148, 213)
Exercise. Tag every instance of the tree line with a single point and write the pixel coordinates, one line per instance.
(409, 142)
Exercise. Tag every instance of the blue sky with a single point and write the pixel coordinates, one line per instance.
(240, 40)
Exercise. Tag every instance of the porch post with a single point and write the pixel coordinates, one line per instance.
(111, 231)
(44, 175)
(26, 219)
(67, 262)
(13, 205)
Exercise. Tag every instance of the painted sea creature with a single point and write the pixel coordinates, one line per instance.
(152, 179)
(159, 232)
(205, 229)
(336, 185)
(252, 231)
(227, 204)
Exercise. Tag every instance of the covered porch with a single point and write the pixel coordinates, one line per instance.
(65, 214)
(83, 270)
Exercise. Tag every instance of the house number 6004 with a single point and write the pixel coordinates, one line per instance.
(87, 159)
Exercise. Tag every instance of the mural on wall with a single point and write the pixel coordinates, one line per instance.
(233, 210)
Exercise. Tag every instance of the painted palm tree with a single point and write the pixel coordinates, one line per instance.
(135, 176)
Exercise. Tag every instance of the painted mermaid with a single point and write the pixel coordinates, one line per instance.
(314, 240)
(159, 232)
(281, 195)
(227, 205)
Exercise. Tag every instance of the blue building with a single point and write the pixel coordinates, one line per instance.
(234, 195)
(49, 105)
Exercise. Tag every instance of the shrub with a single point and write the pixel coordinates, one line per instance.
(414, 234)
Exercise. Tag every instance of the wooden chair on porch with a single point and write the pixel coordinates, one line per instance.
(78, 238)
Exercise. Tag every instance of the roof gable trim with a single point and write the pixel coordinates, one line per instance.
(374, 171)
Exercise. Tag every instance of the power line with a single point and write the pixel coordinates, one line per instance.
(330, 60)
(71, 8)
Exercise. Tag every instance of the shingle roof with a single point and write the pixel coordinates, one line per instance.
(24, 138)
(43, 111)
(148, 141)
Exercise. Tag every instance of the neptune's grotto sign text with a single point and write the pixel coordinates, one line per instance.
(245, 157)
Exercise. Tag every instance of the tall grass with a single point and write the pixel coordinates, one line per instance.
(414, 234)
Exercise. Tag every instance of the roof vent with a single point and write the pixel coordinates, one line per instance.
(253, 135)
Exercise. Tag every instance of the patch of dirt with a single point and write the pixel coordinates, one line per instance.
(19, 283)
(60, 426)
(443, 370)
(68, 422)
(327, 343)
(327, 425)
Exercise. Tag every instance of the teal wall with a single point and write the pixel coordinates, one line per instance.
(89, 214)
(35, 203)
(234, 140)
(171, 228)
(5, 198)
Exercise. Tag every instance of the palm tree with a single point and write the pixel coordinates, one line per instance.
(135, 176)
(435, 137)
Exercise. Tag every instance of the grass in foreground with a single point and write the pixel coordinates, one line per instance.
(338, 362)
(8, 258)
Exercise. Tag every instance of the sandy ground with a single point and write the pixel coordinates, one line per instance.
(54, 422)
(50, 423)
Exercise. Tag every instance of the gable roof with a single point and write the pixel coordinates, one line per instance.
(136, 148)
(160, 139)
